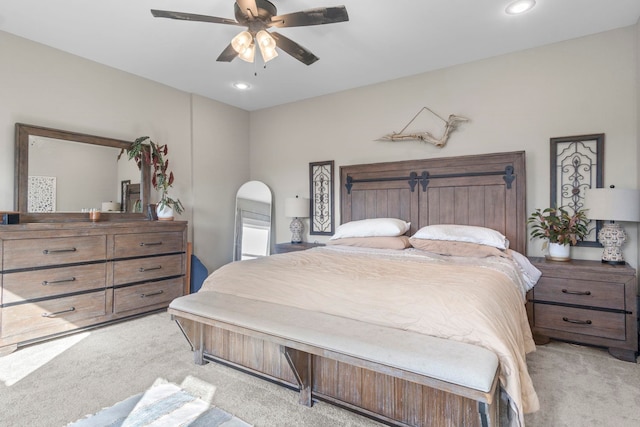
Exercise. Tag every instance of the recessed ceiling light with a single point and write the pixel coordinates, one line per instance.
(241, 86)
(520, 6)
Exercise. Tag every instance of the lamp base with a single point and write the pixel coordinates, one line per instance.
(296, 228)
(612, 237)
(604, 261)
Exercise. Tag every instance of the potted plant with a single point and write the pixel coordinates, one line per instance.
(161, 177)
(559, 229)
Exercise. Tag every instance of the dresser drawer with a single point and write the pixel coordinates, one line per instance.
(581, 292)
(53, 316)
(147, 295)
(142, 269)
(580, 321)
(143, 244)
(49, 282)
(30, 253)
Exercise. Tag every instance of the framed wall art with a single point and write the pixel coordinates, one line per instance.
(321, 200)
(577, 164)
(42, 194)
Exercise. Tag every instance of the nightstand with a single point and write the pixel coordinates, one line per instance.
(586, 302)
(282, 248)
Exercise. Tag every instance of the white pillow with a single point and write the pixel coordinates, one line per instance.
(374, 227)
(463, 233)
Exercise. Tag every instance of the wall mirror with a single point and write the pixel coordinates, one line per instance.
(253, 221)
(58, 174)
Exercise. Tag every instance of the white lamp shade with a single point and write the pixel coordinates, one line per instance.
(296, 207)
(612, 204)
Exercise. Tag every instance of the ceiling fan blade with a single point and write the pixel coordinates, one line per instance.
(248, 8)
(294, 49)
(228, 54)
(321, 15)
(192, 17)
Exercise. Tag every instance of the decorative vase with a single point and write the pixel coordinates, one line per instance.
(164, 212)
(559, 251)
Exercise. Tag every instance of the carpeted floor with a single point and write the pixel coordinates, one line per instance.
(64, 380)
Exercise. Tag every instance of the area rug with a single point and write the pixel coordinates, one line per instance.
(162, 405)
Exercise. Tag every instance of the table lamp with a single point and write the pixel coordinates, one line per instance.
(612, 204)
(296, 208)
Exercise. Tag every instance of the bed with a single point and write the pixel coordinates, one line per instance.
(306, 319)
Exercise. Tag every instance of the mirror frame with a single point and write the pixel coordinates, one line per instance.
(237, 242)
(21, 182)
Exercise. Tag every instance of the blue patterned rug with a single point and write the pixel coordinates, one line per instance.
(162, 405)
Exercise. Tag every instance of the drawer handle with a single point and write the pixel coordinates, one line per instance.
(55, 251)
(143, 269)
(565, 291)
(52, 282)
(151, 294)
(58, 312)
(577, 322)
(150, 243)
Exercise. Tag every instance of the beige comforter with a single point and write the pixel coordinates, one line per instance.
(475, 300)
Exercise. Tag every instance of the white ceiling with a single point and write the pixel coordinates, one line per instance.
(383, 40)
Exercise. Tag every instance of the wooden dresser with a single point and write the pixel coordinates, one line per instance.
(586, 302)
(61, 277)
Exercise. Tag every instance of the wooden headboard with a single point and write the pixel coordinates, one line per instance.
(487, 190)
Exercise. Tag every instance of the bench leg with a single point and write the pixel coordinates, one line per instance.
(198, 345)
(301, 365)
(488, 414)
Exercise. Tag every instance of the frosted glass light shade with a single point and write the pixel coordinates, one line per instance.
(296, 207)
(612, 204)
(267, 45)
(243, 44)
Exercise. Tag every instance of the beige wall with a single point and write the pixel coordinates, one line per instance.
(515, 102)
(46, 87)
(220, 167)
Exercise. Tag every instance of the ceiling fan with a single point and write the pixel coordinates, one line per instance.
(258, 16)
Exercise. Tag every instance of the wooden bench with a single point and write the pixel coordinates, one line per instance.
(454, 367)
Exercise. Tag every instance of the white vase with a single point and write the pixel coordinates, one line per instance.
(165, 213)
(559, 252)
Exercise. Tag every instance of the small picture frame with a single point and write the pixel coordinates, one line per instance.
(124, 185)
(321, 207)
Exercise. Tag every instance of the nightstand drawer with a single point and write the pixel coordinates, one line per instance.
(580, 321)
(581, 292)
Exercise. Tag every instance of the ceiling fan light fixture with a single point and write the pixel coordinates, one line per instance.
(519, 6)
(242, 41)
(248, 54)
(267, 45)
